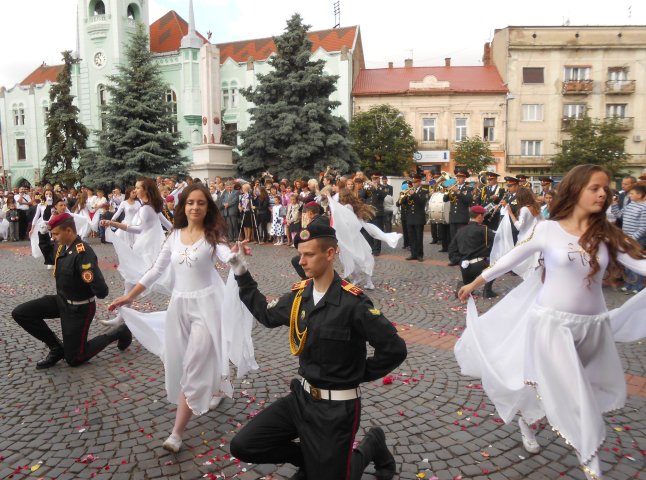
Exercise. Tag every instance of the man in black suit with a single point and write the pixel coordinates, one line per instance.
(416, 217)
(228, 205)
(373, 193)
(460, 195)
(510, 199)
(491, 195)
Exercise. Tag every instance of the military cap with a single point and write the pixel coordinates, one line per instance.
(521, 176)
(493, 174)
(375, 175)
(511, 180)
(417, 176)
(478, 209)
(56, 220)
(461, 172)
(313, 231)
(546, 179)
(170, 199)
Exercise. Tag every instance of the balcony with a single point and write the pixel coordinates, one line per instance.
(536, 161)
(620, 87)
(624, 124)
(577, 87)
(439, 144)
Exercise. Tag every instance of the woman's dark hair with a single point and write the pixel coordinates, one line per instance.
(362, 210)
(127, 193)
(262, 193)
(214, 225)
(152, 192)
(599, 229)
(526, 198)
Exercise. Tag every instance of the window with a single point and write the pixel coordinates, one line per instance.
(617, 74)
(428, 130)
(488, 130)
(103, 101)
(225, 95)
(616, 110)
(171, 100)
(46, 113)
(577, 74)
(19, 114)
(99, 8)
(21, 149)
(234, 95)
(460, 129)
(574, 110)
(132, 12)
(531, 148)
(532, 112)
(533, 75)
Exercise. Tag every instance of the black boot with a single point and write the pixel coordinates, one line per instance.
(488, 290)
(55, 354)
(299, 475)
(121, 335)
(373, 447)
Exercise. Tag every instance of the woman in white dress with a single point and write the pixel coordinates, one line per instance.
(548, 348)
(129, 207)
(41, 216)
(528, 216)
(81, 209)
(198, 322)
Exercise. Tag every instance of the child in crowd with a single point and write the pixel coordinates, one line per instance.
(278, 214)
(293, 219)
(633, 224)
(13, 219)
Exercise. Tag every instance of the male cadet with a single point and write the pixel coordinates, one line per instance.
(403, 210)
(471, 248)
(460, 195)
(311, 214)
(373, 193)
(78, 282)
(510, 199)
(330, 321)
(491, 195)
(415, 199)
(546, 187)
(523, 181)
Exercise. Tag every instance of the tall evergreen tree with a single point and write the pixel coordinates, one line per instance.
(293, 131)
(66, 135)
(137, 136)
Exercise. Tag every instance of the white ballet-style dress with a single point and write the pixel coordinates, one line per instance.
(129, 213)
(84, 215)
(547, 349)
(205, 326)
(503, 241)
(81, 222)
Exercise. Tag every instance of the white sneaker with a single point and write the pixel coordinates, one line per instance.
(115, 322)
(50, 267)
(172, 443)
(528, 436)
(215, 402)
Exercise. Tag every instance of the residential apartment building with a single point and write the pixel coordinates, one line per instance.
(443, 105)
(555, 75)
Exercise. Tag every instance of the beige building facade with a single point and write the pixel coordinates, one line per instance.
(556, 74)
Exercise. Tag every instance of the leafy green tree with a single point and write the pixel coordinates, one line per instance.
(293, 131)
(66, 135)
(473, 153)
(138, 135)
(592, 141)
(383, 140)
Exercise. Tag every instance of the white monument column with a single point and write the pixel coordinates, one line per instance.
(211, 158)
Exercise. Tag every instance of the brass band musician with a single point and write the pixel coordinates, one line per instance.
(460, 195)
(523, 181)
(489, 196)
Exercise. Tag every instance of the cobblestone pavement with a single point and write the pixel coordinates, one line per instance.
(107, 419)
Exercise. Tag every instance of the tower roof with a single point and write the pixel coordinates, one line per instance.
(330, 40)
(166, 33)
(44, 73)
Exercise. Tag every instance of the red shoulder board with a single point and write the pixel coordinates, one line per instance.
(351, 288)
(300, 285)
(80, 248)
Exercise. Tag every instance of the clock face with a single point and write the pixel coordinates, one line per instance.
(99, 59)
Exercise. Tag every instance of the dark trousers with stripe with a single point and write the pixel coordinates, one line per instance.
(325, 430)
(75, 325)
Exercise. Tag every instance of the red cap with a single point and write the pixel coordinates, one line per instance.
(312, 204)
(170, 198)
(56, 220)
(478, 209)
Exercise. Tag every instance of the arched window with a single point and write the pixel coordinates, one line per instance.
(234, 94)
(103, 101)
(225, 95)
(98, 8)
(133, 12)
(171, 100)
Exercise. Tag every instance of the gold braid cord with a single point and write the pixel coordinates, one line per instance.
(294, 332)
(58, 253)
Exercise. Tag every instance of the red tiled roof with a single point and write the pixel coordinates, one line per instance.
(392, 81)
(331, 40)
(43, 74)
(167, 32)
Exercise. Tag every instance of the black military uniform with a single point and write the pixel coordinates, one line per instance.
(78, 282)
(318, 220)
(460, 199)
(323, 408)
(403, 212)
(375, 196)
(491, 196)
(470, 248)
(416, 200)
(513, 203)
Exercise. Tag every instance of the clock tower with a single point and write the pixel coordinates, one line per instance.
(104, 28)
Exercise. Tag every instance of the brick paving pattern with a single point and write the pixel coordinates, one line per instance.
(107, 419)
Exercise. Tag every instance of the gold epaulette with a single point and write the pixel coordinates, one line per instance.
(80, 248)
(351, 288)
(301, 285)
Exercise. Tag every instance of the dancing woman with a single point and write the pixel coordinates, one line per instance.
(548, 348)
(129, 207)
(81, 209)
(201, 319)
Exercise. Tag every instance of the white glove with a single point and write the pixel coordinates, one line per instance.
(42, 228)
(465, 264)
(238, 263)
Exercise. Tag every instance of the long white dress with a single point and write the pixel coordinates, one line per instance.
(84, 214)
(503, 241)
(205, 326)
(547, 348)
(129, 212)
(81, 223)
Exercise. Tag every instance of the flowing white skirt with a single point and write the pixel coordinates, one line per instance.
(545, 363)
(355, 253)
(4, 229)
(503, 242)
(82, 229)
(196, 340)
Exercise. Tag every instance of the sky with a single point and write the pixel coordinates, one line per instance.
(36, 31)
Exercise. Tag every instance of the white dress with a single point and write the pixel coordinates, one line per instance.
(205, 326)
(277, 227)
(503, 241)
(84, 217)
(547, 349)
(129, 213)
(81, 222)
